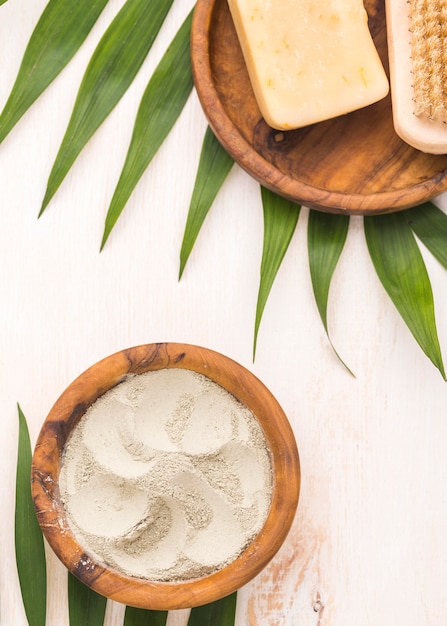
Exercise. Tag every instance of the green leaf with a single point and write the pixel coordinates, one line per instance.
(280, 220)
(29, 544)
(429, 224)
(141, 617)
(59, 33)
(161, 104)
(112, 68)
(402, 272)
(85, 606)
(214, 166)
(326, 237)
(219, 613)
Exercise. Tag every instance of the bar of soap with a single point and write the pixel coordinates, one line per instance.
(308, 60)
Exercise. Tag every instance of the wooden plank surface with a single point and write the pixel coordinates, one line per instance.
(368, 546)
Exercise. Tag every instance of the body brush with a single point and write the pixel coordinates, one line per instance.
(416, 31)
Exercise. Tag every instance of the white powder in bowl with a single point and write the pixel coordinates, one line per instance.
(166, 477)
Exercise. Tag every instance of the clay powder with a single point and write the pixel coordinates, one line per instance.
(166, 477)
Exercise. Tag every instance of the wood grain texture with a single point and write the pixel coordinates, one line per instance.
(354, 163)
(67, 412)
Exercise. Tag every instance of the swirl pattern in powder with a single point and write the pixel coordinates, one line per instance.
(166, 477)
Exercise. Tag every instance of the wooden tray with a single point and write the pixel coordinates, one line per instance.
(352, 164)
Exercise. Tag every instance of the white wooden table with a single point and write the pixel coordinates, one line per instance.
(369, 544)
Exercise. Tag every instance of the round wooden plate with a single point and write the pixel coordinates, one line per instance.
(352, 164)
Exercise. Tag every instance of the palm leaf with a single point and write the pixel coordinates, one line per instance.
(280, 220)
(326, 237)
(214, 166)
(161, 104)
(219, 613)
(430, 225)
(85, 606)
(141, 617)
(60, 31)
(112, 68)
(29, 544)
(402, 272)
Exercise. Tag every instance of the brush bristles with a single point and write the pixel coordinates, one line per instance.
(428, 27)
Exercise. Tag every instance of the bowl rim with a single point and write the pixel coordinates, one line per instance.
(72, 404)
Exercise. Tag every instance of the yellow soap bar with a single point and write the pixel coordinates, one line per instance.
(308, 60)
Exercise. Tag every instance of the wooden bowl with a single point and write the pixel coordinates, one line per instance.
(74, 402)
(353, 164)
